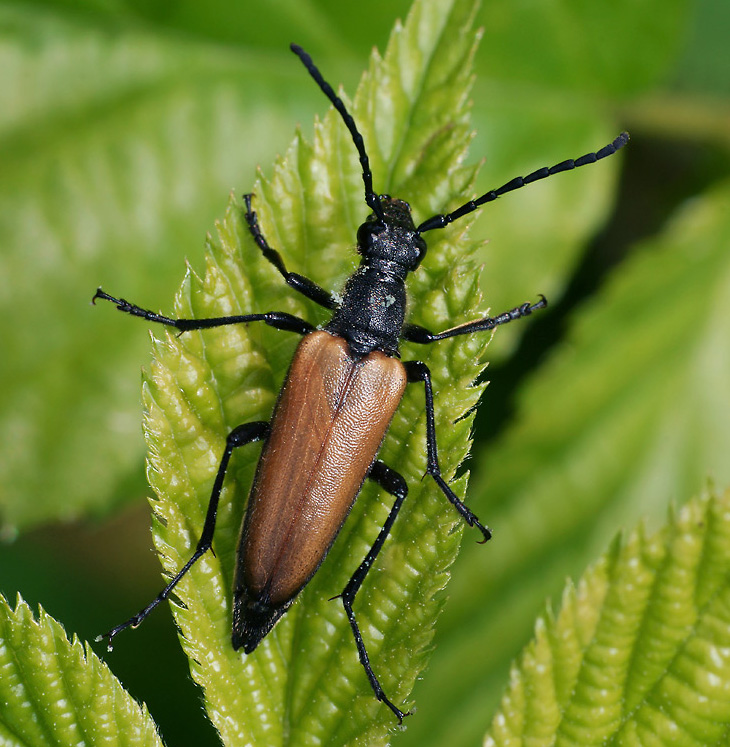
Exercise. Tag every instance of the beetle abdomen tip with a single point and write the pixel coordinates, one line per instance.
(252, 620)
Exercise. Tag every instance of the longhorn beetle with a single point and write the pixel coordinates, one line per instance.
(345, 382)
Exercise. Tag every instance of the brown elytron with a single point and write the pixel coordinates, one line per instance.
(331, 417)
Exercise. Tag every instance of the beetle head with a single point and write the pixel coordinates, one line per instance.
(395, 239)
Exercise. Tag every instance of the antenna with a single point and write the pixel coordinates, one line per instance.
(370, 197)
(439, 221)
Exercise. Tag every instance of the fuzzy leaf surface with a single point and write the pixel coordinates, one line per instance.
(639, 653)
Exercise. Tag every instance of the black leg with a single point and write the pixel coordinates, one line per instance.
(394, 484)
(302, 284)
(418, 371)
(276, 319)
(415, 333)
(244, 434)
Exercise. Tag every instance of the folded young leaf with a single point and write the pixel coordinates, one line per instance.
(640, 650)
(57, 692)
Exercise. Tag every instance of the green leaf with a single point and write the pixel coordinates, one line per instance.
(590, 47)
(124, 146)
(632, 411)
(704, 67)
(412, 111)
(57, 692)
(640, 651)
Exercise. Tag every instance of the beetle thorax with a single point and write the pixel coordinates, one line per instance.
(371, 314)
(373, 308)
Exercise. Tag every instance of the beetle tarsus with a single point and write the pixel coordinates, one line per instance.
(421, 335)
(133, 622)
(129, 308)
(486, 531)
(365, 660)
(419, 372)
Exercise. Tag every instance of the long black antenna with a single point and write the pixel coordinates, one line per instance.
(439, 221)
(370, 197)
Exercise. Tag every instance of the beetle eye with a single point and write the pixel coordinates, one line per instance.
(367, 233)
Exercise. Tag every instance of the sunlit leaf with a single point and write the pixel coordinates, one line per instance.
(639, 653)
(56, 692)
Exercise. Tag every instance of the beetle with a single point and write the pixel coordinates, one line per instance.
(334, 408)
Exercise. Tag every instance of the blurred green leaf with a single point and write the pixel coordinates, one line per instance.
(705, 67)
(592, 47)
(57, 692)
(638, 653)
(124, 147)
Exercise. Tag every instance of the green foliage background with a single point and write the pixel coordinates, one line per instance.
(123, 128)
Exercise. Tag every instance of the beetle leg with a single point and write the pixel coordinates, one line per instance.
(240, 436)
(299, 283)
(393, 483)
(418, 371)
(276, 319)
(416, 333)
